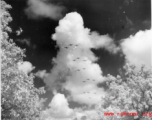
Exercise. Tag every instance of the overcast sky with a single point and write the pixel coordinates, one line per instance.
(71, 46)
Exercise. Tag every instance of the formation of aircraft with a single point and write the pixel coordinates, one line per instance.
(78, 58)
(70, 45)
(89, 92)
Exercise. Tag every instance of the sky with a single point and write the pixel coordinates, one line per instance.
(72, 46)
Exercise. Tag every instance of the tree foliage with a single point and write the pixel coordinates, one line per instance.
(131, 93)
(19, 97)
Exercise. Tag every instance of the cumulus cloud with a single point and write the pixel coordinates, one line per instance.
(71, 30)
(25, 66)
(41, 74)
(41, 8)
(137, 48)
(59, 108)
(104, 41)
(75, 68)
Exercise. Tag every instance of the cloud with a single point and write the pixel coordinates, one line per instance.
(75, 68)
(27, 42)
(59, 108)
(41, 74)
(147, 23)
(72, 23)
(41, 8)
(25, 66)
(137, 48)
(104, 41)
(96, 113)
(129, 22)
(24, 41)
(87, 113)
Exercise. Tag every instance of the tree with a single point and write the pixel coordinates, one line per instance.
(132, 92)
(19, 97)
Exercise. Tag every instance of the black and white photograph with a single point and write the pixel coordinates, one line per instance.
(76, 59)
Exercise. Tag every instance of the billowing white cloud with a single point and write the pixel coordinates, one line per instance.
(41, 74)
(25, 66)
(75, 68)
(104, 41)
(71, 30)
(59, 108)
(137, 48)
(43, 8)
(56, 111)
